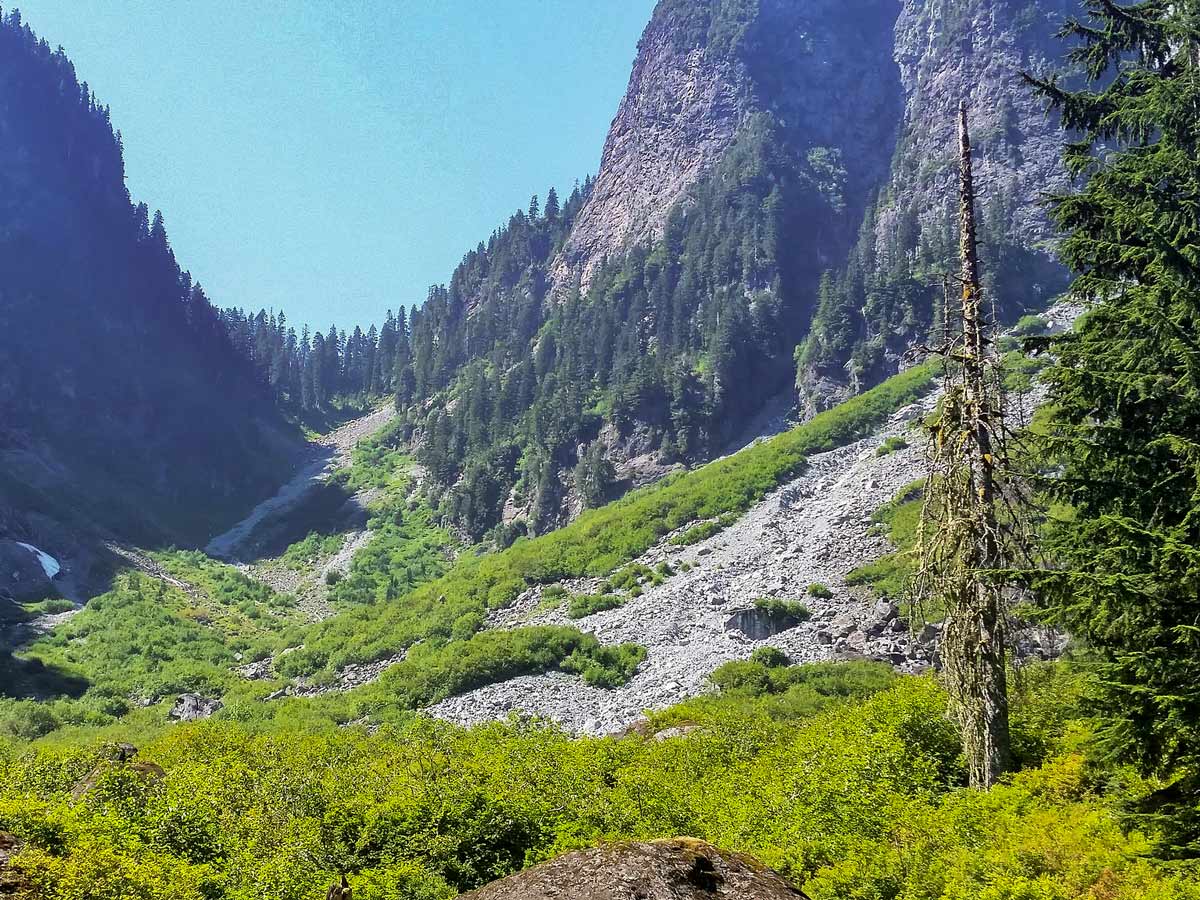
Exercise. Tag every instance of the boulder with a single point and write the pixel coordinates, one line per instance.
(676, 869)
(190, 707)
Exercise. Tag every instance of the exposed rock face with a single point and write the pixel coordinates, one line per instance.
(679, 115)
(947, 51)
(820, 68)
(975, 50)
(190, 707)
(677, 869)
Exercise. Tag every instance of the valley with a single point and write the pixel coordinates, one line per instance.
(805, 503)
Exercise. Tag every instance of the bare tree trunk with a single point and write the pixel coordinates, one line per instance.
(964, 544)
(974, 641)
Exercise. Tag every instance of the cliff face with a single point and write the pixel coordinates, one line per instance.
(886, 296)
(679, 115)
(950, 50)
(863, 95)
(821, 69)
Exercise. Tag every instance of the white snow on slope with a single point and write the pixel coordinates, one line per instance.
(49, 564)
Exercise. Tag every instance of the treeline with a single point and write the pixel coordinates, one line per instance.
(308, 370)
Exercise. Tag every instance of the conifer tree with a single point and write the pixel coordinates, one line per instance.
(1125, 392)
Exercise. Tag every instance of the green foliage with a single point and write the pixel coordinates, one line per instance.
(891, 445)
(771, 657)
(890, 575)
(849, 792)
(432, 672)
(582, 605)
(597, 543)
(820, 591)
(314, 547)
(702, 532)
(783, 612)
(1122, 440)
(1031, 326)
(606, 667)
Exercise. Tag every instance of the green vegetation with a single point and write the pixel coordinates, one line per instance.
(842, 777)
(820, 591)
(889, 575)
(303, 554)
(703, 531)
(145, 641)
(783, 612)
(406, 549)
(596, 544)
(1121, 441)
(583, 605)
(891, 445)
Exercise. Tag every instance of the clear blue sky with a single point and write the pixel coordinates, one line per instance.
(336, 158)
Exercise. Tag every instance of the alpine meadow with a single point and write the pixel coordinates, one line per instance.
(804, 503)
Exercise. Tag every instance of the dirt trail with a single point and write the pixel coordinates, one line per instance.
(328, 454)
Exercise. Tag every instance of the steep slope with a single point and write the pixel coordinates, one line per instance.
(776, 175)
(703, 71)
(122, 404)
(886, 296)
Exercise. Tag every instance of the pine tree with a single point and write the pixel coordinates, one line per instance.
(1126, 388)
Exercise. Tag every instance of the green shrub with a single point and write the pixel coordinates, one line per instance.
(771, 657)
(820, 591)
(890, 575)
(606, 667)
(582, 605)
(891, 445)
(790, 612)
(696, 534)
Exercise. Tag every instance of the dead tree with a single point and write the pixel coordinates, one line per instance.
(964, 544)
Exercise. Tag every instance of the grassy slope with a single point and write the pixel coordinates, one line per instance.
(444, 616)
(147, 641)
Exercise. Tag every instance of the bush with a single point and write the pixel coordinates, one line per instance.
(790, 612)
(771, 657)
(820, 591)
(891, 445)
(582, 605)
(606, 667)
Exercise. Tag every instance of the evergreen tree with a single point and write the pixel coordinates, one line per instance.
(1126, 388)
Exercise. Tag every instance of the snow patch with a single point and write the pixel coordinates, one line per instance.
(49, 564)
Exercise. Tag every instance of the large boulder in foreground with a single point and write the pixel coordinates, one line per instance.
(676, 869)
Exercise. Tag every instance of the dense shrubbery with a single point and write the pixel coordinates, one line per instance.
(785, 613)
(856, 802)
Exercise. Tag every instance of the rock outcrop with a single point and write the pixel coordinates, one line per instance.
(11, 883)
(191, 707)
(23, 578)
(677, 869)
(821, 69)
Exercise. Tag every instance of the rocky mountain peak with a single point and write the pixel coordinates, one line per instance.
(681, 112)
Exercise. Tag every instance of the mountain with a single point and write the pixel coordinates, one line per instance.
(886, 295)
(766, 231)
(123, 406)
